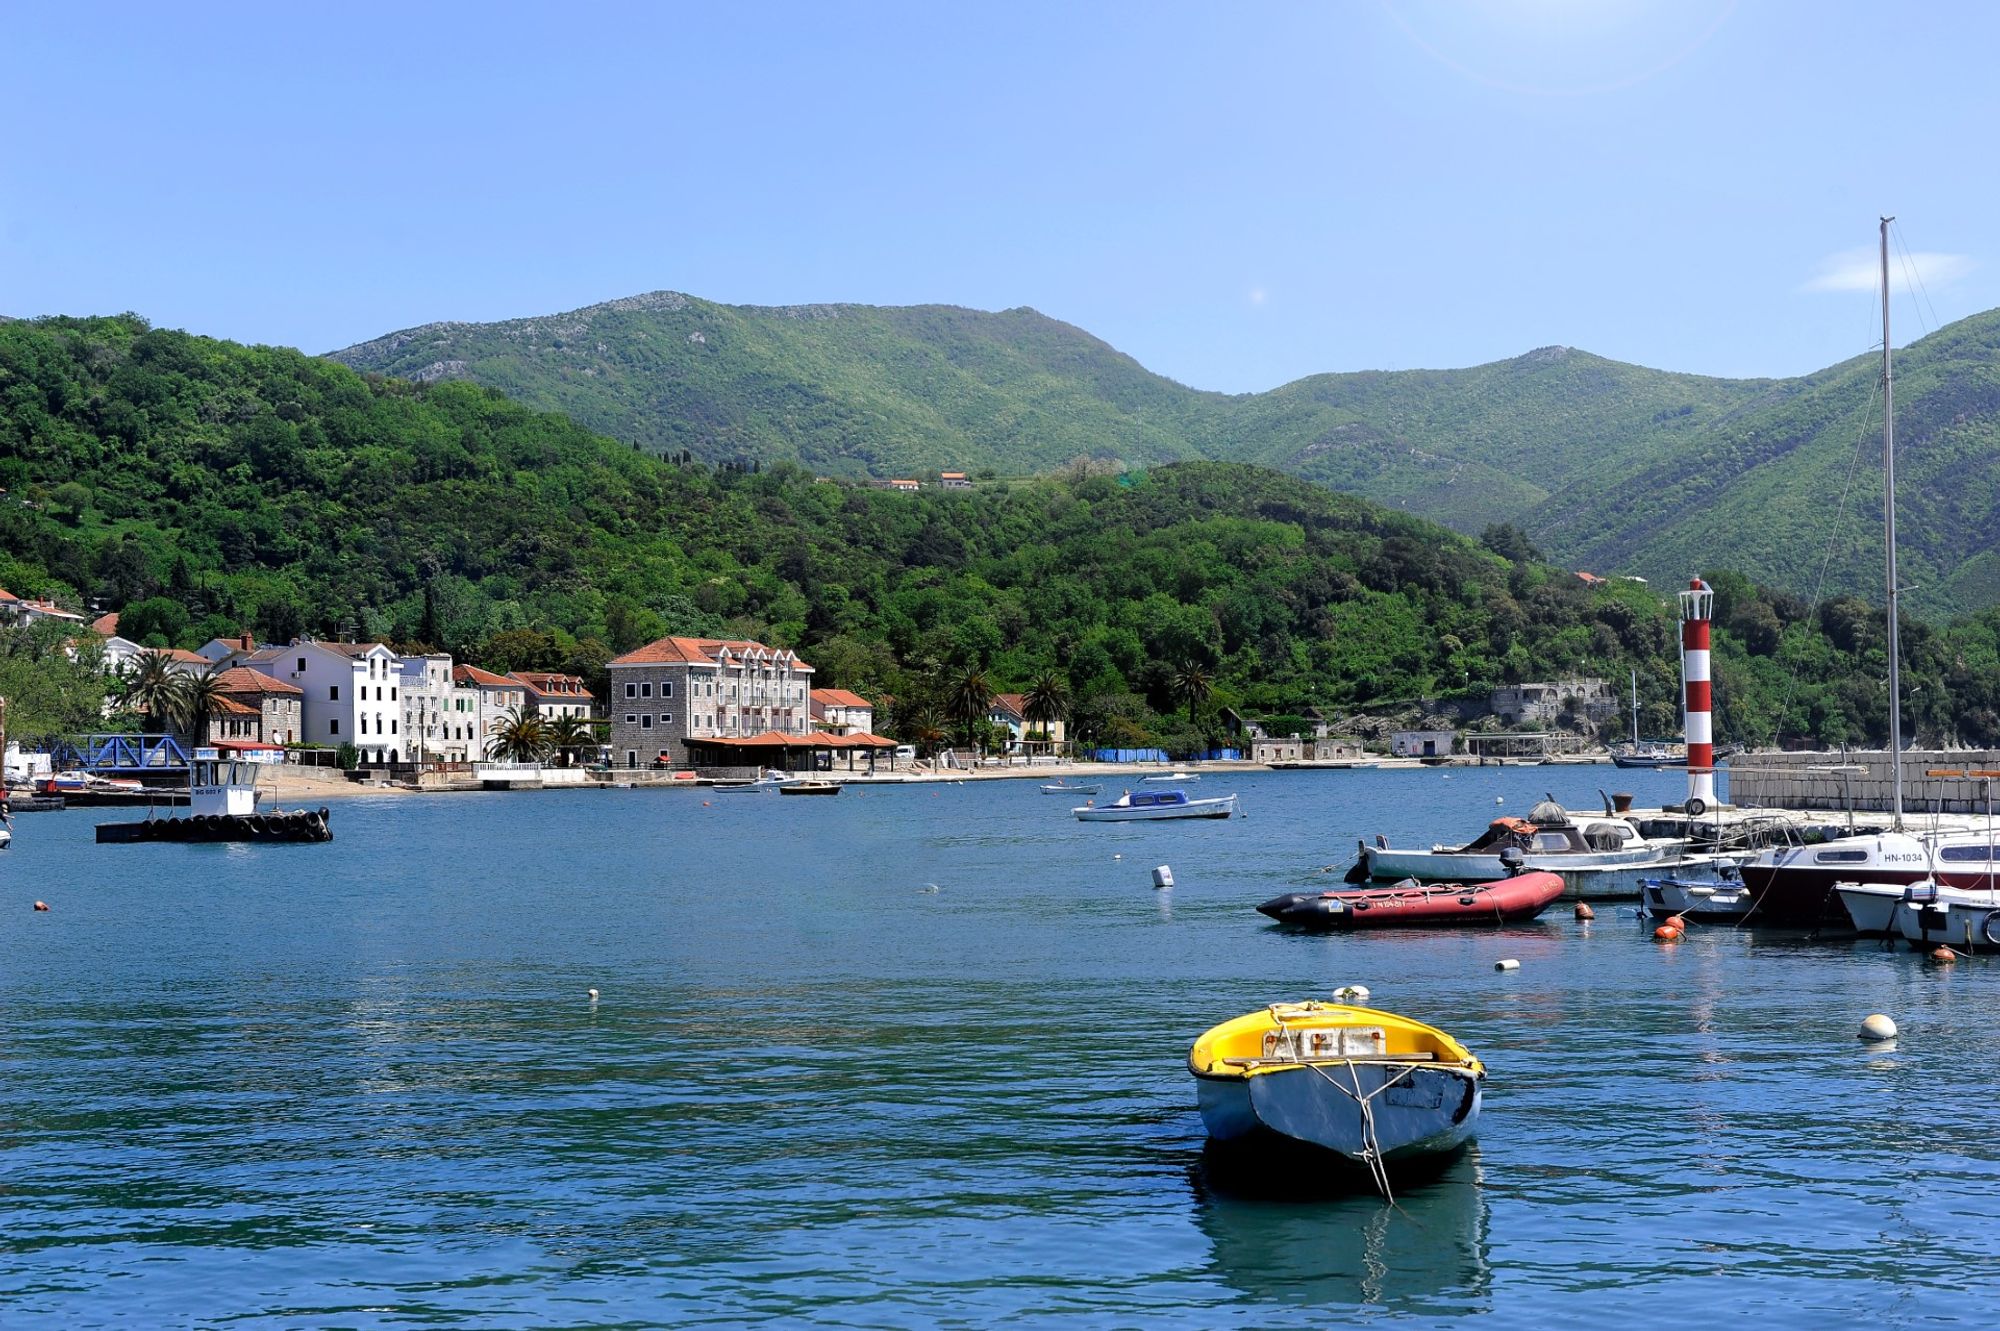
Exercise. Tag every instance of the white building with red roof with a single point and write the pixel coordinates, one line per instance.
(497, 695)
(552, 694)
(677, 689)
(351, 691)
(841, 712)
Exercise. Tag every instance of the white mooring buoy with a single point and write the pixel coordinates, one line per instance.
(1351, 993)
(1876, 1028)
(592, 993)
(1507, 964)
(1163, 877)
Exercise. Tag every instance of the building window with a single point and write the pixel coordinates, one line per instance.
(666, 718)
(646, 689)
(333, 693)
(392, 693)
(666, 688)
(631, 689)
(302, 665)
(364, 725)
(392, 727)
(333, 727)
(646, 721)
(631, 718)
(631, 757)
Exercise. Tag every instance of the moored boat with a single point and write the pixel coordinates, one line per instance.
(1549, 838)
(1705, 901)
(1173, 776)
(809, 788)
(222, 806)
(1968, 919)
(766, 784)
(1411, 904)
(1150, 806)
(1362, 1088)
(1063, 788)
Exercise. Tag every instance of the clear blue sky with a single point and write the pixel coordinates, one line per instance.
(1237, 195)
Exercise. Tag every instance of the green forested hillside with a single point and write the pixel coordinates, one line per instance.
(1608, 466)
(200, 486)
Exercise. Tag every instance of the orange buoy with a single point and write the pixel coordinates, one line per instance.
(1943, 954)
(1677, 922)
(1584, 912)
(1666, 933)
(706, 805)
(41, 905)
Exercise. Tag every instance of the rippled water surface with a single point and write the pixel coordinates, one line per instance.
(362, 1085)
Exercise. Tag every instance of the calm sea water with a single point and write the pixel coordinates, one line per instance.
(362, 1085)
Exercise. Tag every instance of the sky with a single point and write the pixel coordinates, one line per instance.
(1237, 195)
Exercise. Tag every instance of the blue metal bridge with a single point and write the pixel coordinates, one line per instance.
(121, 755)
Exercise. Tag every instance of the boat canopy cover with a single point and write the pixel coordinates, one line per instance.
(1548, 813)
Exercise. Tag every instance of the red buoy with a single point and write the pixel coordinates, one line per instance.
(1584, 912)
(41, 905)
(1666, 933)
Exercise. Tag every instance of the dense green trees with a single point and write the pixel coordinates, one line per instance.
(255, 486)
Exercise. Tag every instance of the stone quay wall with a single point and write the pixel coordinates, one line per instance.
(1933, 781)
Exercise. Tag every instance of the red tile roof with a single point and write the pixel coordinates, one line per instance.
(1017, 703)
(185, 657)
(839, 698)
(230, 707)
(242, 679)
(106, 624)
(552, 684)
(698, 651)
(485, 679)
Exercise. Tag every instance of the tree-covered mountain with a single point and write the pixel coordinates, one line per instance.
(202, 486)
(1608, 466)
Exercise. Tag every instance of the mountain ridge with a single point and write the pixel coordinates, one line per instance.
(1609, 465)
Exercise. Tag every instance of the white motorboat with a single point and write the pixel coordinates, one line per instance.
(1062, 788)
(767, 784)
(1150, 805)
(1871, 907)
(1720, 901)
(1173, 776)
(1965, 918)
(1548, 838)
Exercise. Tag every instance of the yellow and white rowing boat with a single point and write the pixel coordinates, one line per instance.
(1368, 1087)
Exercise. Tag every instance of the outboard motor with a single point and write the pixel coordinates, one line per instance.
(1512, 860)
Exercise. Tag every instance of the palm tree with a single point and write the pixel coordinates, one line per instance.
(969, 699)
(153, 687)
(569, 735)
(1192, 685)
(1047, 700)
(924, 731)
(195, 699)
(521, 737)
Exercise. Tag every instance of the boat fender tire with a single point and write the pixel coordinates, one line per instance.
(1696, 806)
(1986, 928)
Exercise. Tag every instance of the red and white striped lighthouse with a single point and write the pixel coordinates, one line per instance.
(1696, 603)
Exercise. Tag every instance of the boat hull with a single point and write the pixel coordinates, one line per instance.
(1871, 907)
(1426, 1111)
(1794, 886)
(1968, 920)
(1509, 901)
(1720, 903)
(1112, 813)
(298, 825)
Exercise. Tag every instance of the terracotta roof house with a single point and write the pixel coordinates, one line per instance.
(552, 694)
(841, 712)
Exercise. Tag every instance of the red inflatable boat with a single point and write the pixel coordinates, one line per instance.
(1410, 904)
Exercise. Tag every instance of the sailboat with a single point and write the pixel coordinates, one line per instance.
(1797, 885)
(1648, 753)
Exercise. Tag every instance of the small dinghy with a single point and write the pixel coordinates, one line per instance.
(1173, 776)
(1720, 901)
(1410, 904)
(1059, 788)
(1361, 1087)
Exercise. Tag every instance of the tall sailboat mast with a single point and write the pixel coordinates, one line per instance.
(1889, 526)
